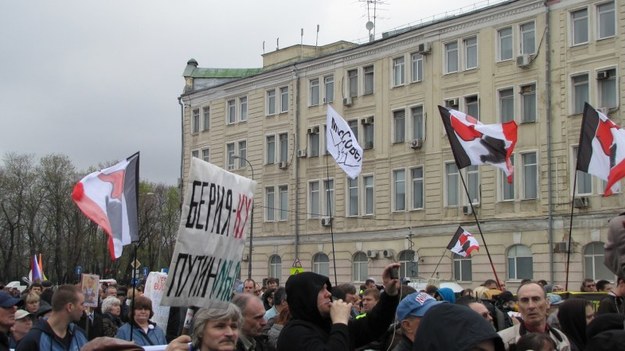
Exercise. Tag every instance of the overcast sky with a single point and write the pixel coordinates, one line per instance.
(99, 80)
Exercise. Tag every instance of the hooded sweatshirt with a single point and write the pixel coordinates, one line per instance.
(453, 327)
(42, 337)
(309, 330)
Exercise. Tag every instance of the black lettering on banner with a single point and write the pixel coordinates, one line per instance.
(346, 140)
(219, 202)
(228, 211)
(192, 207)
(199, 207)
(198, 270)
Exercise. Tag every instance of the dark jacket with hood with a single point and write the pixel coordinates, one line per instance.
(42, 337)
(309, 330)
(453, 327)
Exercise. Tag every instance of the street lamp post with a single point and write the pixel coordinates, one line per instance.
(249, 258)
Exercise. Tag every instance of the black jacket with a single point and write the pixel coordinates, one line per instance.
(449, 327)
(309, 330)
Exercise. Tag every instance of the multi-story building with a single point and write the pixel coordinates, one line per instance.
(532, 61)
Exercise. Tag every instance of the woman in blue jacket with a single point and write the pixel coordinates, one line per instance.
(142, 332)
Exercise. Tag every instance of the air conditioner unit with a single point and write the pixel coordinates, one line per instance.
(467, 210)
(347, 101)
(302, 153)
(283, 165)
(368, 145)
(372, 253)
(602, 75)
(424, 48)
(523, 60)
(603, 110)
(416, 144)
(245, 257)
(388, 254)
(452, 102)
(313, 130)
(581, 202)
(367, 121)
(326, 221)
(561, 247)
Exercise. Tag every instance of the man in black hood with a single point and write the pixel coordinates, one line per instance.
(318, 323)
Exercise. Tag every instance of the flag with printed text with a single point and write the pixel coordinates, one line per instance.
(342, 144)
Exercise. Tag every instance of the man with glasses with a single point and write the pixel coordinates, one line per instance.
(59, 332)
(588, 285)
(8, 306)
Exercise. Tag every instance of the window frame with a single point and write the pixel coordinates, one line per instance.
(314, 91)
(270, 102)
(471, 50)
(284, 99)
(399, 126)
(416, 67)
(231, 111)
(526, 35)
(396, 196)
(613, 19)
(360, 266)
(399, 71)
(449, 57)
(206, 112)
(195, 121)
(576, 22)
(526, 168)
(368, 76)
(503, 39)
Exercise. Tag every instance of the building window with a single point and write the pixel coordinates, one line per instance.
(271, 149)
(580, 92)
(606, 83)
(472, 104)
(520, 263)
(584, 180)
(369, 80)
(398, 71)
(284, 202)
(399, 126)
(530, 176)
(451, 57)
(369, 194)
(507, 189)
(408, 266)
(470, 52)
(243, 108)
(473, 184)
(504, 37)
(284, 147)
(399, 190)
(579, 22)
(417, 187)
(206, 114)
(195, 153)
(195, 122)
(242, 153)
(462, 268)
(506, 105)
(232, 111)
(275, 266)
(206, 155)
(607, 20)
(353, 125)
(230, 155)
(328, 196)
(352, 77)
(594, 255)
(418, 122)
(284, 99)
(367, 128)
(314, 92)
(528, 35)
(270, 203)
(352, 191)
(313, 142)
(360, 271)
(452, 177)
(321, 264)
(314, 197)
(416, 72)
(271, 102)
(528, 103)
(328, 81)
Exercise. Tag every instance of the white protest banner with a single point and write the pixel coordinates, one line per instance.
(154, 289)
(342, 144)
(215, 216)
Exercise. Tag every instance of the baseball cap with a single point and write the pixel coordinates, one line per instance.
(7, 300)
(415, 304)
(19, 314)
(554, 299)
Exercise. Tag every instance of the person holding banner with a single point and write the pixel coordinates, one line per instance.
(143, 332)
(318, 323)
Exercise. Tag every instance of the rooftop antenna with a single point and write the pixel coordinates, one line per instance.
(301, 36)
(317, 39)
(277, 43)
(263, 46)
(372, 15)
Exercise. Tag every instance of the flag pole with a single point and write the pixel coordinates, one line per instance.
(479, 228)
(329, 203)
(134, 290)
(568, 249)
(439, 262)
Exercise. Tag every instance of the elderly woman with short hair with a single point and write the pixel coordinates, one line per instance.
(140, 328)
(111, 313)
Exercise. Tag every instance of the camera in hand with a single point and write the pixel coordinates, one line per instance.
(395, 273)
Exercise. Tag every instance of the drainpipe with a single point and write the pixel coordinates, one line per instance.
(181, 148)
(297, 116)
(549, 138)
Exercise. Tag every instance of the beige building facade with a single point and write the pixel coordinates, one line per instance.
(530, 61)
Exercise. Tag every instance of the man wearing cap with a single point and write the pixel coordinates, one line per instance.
(23, 323)
(533, 306)
(8, 307)
(409, 313)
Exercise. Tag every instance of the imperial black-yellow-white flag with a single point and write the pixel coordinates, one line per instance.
(463, 243)
(342, 144)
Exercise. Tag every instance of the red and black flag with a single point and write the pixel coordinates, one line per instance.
(109, 198)
(463, 243)
(601, 150)
(474, 143)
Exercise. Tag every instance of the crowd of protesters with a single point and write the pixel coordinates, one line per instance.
(308, 313)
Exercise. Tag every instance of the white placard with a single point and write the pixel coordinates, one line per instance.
(154, 288)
